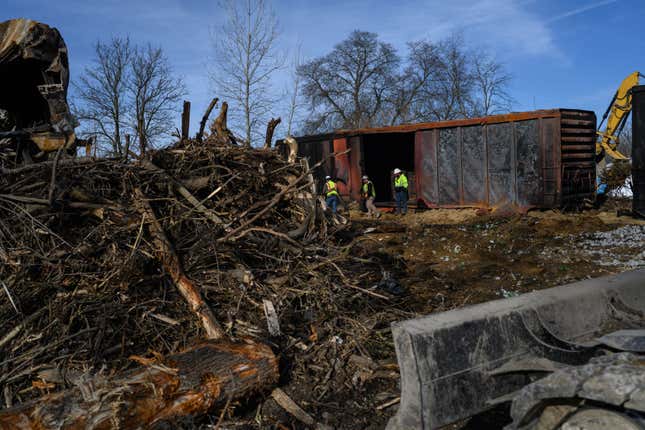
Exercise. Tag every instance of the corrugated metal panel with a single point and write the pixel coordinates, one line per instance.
(341, 165)
(499, 138)
(355, 167)
(426, 168)
(521, 163)
(474, 169)
(578, 153)
(528, 162)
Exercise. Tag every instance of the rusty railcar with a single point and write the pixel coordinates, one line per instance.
(539, 159)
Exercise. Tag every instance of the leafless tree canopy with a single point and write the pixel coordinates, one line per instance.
(363, 82)
(292, 92)
(128, 90)
(245, 60)
(102, 95)
(155, 94)
(491, 83)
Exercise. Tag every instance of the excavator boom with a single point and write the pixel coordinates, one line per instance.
(616, 116)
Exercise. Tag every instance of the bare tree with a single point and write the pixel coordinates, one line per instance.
(245, 60)
(292, 92)
(350, 86)
(102, 92)
(491, 85)
(625, 138)
(452, 93)
(362, 83)
(423, 64)
(129, 90)
(155, 94)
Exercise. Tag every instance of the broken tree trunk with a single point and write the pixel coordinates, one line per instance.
(185, 121)
(171, 264)
(273, 123)
(202, 124)
(185, 384)
(220, 129)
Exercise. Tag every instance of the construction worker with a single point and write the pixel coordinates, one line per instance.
(401, 189)
(331, 194)
(368, 194)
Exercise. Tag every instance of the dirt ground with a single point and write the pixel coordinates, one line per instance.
(454, 258)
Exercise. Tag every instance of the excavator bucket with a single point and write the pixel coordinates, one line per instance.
(459, 363)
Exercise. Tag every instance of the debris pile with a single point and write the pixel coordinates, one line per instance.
(88, 287)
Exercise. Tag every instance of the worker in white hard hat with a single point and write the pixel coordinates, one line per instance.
(368, 194)
(401, 190)
(330, 190)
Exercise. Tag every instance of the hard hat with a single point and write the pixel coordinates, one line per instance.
(327, 177)
(397, 171)
(365, 178)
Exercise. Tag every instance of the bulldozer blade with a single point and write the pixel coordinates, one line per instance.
(459, 363)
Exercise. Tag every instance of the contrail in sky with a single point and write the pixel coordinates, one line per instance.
(581, 10)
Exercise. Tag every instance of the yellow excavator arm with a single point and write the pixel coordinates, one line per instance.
(616, 116)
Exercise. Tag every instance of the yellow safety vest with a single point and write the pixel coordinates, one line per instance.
(366, 190)
(331, 188)
(401, 181)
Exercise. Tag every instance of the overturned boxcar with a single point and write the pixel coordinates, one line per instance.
(540, 159)
(34, 76)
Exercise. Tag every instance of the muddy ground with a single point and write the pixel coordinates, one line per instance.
(455, 258)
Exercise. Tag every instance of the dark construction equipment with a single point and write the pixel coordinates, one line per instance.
(456, 364)
(540, 159)
(638, 150)
(34, 76)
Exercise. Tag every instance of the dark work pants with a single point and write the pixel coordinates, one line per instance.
(402, 201)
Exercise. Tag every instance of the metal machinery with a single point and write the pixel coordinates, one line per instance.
(570, 357)
(563, 356)
(34, 76)
(616, 116)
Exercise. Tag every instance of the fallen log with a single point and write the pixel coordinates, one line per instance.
(190, 383)
(170, 261)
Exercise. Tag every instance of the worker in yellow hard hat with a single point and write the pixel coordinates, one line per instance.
(401, 189)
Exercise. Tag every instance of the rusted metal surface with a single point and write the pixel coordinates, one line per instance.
(522, 160)
(638, 149)
(34, 73)
(341, 165)
(34, 77)
(492, 119)
(355, 167)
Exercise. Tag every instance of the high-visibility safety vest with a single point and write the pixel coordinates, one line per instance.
(331, 188)
(368, 190)
(401, 181)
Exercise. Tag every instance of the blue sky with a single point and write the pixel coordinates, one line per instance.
(561, 53)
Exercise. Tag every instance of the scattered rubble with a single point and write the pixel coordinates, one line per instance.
(91, 297)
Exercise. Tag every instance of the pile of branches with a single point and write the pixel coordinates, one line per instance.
(86, 288)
